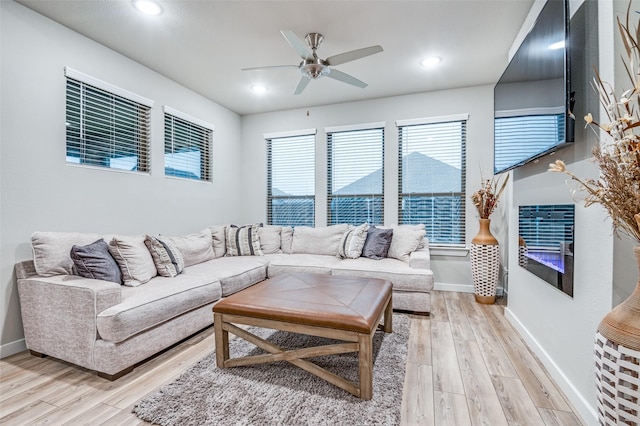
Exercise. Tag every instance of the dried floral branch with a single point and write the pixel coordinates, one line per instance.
(486, 198)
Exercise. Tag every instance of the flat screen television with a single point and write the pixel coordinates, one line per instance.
(533, 99)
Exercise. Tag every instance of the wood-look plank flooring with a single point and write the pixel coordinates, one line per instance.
(465, 366)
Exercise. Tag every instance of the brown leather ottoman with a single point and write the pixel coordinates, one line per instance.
(342, 308)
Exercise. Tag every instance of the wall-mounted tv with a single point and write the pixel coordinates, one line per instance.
(533, 99)
(546, 243)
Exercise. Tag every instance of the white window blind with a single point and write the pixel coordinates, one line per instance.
(355, 181)
(291, 180)
(432, 170)
(187, 147)
(106, 129)
(518, 138)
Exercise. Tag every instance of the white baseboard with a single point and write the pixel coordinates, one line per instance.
(585, 410)
(462, 288)
(12, 348)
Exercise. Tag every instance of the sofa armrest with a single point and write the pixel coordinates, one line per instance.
(421, 258)
(59, 314)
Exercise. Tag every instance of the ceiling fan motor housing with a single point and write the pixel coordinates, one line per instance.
(314, 68)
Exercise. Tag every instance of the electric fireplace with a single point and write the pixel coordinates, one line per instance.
(546, 243)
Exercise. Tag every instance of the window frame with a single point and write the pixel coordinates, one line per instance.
(285, 137)
(205, 145)
(91, 89)
(330, 132)
(401, 125)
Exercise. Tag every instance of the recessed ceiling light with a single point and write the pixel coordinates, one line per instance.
(259, 89)
(431, 61)
(148, 7)
(557, 45)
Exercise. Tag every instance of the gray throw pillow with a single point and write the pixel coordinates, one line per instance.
(95, 261)
(377, 244)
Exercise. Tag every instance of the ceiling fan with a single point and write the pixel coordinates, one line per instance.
(312, 67)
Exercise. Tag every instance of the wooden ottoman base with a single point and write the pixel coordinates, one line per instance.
(356, 339)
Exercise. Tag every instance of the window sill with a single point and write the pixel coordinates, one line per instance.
(449, 251)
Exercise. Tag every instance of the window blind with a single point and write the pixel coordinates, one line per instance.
(187, 148)
(432, 175)
(355, 181)
(107, 130)
(291, 180)
(534, 134)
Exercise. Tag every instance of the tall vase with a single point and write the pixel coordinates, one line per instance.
(617, 359)
(485, 264)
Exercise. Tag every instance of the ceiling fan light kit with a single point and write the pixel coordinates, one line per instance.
(312, 67)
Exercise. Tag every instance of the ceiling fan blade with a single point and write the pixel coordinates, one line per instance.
(299, 45)
(302, 84)
(341, 58)
(346, 78)
(270, 67)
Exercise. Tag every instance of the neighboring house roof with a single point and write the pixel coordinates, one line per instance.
(422, 174)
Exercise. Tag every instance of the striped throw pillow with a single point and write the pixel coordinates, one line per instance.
(167, 258)
(243, 240)
(352, 242)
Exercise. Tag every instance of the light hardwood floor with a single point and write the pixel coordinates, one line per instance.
(466, 366)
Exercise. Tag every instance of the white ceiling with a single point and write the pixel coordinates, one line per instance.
(204, 44)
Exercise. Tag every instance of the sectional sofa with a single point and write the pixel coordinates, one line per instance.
(91, 319)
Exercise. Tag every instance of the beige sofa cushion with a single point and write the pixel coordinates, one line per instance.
(154, 303)
(133, 258)
(308, 263)
(270, 239)
(51, 251)
(234, 273)
(286, 238)
(321, 240)
(219, 242)
(402, 276)
(195, 248)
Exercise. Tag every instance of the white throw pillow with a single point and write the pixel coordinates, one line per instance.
(133, 258)
(406, 239)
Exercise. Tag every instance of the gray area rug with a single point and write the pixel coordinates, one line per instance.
(280, 393)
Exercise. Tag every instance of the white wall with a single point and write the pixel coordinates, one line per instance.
(558, 328)
(452, 271)
(41, 192)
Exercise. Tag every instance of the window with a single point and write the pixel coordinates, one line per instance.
(291, 179)
(106, 126)
(187, 146)
(431, 166)
(355, 175)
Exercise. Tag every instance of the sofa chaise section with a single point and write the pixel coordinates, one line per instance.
(107, 327)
